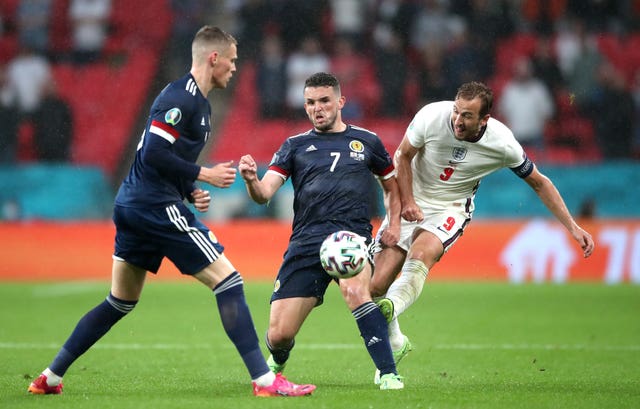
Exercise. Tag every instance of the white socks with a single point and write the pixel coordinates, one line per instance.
(396, 337)
(266, 379)
(403, 292)
(52, 379)
(407, 288)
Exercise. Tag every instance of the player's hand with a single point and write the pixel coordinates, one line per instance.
(221, 175)
(201, 200)
(585, 240)
(248, 168)
(390, 236)
(412, 213)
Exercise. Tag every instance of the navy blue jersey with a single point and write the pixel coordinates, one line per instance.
(164, 169)
(331, 175)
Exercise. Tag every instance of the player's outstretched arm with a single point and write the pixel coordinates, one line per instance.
(261, 191)
(221, 175)
(549, 195)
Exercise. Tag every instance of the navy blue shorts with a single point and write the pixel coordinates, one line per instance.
(145, 236)
(301, 274)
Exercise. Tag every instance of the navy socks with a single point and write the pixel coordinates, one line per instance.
(238, 323)
(89, 330)
(374, 331)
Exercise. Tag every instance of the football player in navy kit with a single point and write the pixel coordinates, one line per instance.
(152, 221)
(330, 168)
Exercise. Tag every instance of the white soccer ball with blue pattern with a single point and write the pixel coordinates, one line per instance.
(343, 254)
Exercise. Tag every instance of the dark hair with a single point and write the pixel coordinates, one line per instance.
(322, 79)
(471, 90)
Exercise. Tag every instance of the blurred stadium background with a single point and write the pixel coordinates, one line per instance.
(55, 210)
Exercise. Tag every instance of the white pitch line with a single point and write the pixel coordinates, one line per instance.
(57, 290)
(469, 347)
(546, 347)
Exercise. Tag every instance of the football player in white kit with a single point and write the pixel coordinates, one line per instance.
(447, 149)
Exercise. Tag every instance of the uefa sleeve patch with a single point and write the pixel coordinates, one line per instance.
(173, 116)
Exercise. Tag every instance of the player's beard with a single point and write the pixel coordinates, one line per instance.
(465, 133)
(326, 126)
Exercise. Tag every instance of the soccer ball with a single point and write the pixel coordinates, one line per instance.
(343, 254)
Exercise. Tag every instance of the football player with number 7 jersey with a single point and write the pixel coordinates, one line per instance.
(330, 168)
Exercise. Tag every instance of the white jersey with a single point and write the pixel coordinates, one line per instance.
(447, 171)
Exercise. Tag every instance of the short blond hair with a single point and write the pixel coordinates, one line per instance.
(207, 39)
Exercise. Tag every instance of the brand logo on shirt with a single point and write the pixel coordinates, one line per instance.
(311, 148)
(173, 116)
(459, 153)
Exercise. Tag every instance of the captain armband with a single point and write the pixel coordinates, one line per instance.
(524, 169)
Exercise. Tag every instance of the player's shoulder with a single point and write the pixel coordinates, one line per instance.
(361, 133)
(431, 119)
(499, 136)
(183, 91)
(434, 112)
(437, 107)
(298, 138)
(499, 129)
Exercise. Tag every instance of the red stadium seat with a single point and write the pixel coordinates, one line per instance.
(60, 31)
(509, 49)
(8, 48)
(26, 150)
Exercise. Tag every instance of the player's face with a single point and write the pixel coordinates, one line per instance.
(224, 65)
(323, 107)
(466, 119)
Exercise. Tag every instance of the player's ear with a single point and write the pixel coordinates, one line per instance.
(485, 119)
(213, 58)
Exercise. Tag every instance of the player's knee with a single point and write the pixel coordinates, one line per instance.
(280, 334)
(279, 340)
(355, 295)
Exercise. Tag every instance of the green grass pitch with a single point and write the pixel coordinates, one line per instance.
(476, 345)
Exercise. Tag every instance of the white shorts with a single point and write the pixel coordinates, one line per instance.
(447, 224)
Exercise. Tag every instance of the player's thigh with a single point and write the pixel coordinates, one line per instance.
(439, 230)
(387, 264)
(127, 280)
(426, 247)
(287, 316)
(215, 272)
